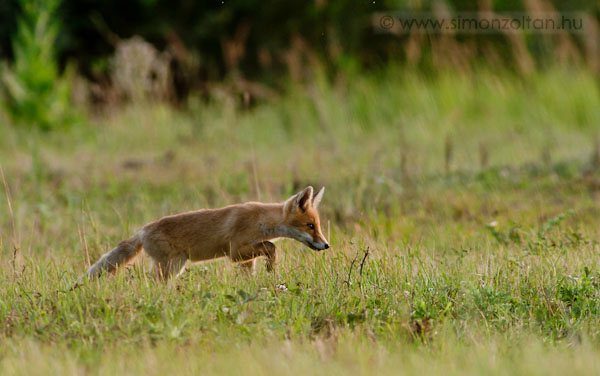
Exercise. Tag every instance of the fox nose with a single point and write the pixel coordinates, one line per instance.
(326, 246)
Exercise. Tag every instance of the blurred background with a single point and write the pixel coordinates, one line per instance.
(104, 54)
(158, 106)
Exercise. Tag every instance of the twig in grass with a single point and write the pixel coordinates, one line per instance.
(14, 261)
(12, 222)
(348, 281)
(84, 245)
(360, 273)
(83, 239)
(75, 286)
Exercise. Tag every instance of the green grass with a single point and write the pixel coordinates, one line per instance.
(475, 197)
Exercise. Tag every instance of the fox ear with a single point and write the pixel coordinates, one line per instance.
(304, 198)
(317, 198)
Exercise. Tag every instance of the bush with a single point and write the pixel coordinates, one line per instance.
(36, 95)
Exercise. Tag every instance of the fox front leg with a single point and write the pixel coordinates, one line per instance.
(269, 250)
(248, 266)
(272, 258)
(252, 251)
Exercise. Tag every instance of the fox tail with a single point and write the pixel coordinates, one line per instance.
(118, 256)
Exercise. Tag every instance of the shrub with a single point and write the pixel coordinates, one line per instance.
(36, 95)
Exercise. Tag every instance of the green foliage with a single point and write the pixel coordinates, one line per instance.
(212, 39)
(35, 94)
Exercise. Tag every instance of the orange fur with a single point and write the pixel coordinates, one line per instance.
(240, 232)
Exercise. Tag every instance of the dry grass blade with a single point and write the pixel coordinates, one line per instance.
(15, 241)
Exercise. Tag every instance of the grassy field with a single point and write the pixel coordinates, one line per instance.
(462, 211)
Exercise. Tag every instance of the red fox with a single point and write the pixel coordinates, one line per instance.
(241, 232)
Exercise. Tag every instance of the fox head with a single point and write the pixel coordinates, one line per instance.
(301, 219)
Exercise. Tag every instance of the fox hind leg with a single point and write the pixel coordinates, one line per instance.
(168, 268)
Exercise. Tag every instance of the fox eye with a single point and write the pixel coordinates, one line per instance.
(310, 226)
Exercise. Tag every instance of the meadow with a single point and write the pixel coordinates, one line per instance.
(462, 210)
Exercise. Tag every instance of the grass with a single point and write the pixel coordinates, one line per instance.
(462, 212)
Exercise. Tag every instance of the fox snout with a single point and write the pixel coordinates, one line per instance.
(319, 245)
(325, 246)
